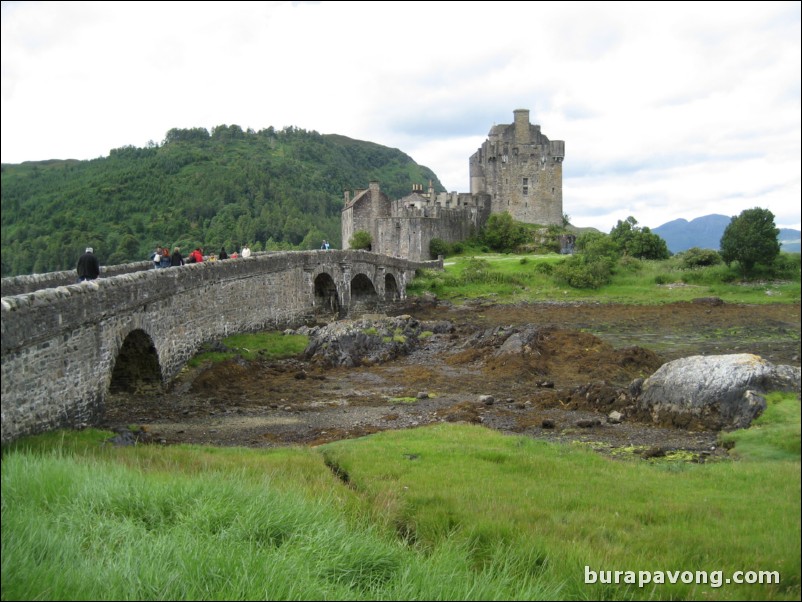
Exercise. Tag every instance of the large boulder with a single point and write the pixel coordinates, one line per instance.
(714, 392)
(367, 341)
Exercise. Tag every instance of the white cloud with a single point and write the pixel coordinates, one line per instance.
(668, 110)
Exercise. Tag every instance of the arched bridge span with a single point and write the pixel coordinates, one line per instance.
(63, 348)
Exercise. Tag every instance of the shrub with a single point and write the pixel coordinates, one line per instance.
(437, 247)
(664, 279)
(697, 257)
(361, 240)
(502, 233)
(630, 264)
(787, 265)
(577, 273)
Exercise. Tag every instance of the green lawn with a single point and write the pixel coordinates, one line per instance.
(445, 512)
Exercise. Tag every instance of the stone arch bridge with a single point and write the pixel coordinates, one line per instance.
(65, 345)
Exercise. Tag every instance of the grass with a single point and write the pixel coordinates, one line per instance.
(181, 524)
(564, 508)
(257, 345)
(775, 435)
(441, 512)
(514, 278)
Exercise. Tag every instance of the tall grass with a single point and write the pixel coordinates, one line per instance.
(445, 512)
(563, 509)
(90, 528)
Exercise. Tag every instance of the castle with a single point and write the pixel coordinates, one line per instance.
(517, 170)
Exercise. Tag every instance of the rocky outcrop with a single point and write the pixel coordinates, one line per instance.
(367, 341)
(713, 392)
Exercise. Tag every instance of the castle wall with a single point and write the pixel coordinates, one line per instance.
(361, 213)
(411, 229)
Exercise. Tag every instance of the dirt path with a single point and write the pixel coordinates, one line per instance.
(586, 355)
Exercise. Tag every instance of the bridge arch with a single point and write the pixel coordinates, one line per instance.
(391, 290)
(326, 298)
(363, 293)
(136, 368)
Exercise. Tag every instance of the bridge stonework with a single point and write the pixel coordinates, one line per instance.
(62, 347)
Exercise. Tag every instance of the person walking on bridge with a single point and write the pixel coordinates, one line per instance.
(176, 259)
(88, 266)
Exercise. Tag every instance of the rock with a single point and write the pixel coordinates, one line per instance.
(714, 301)
(615, 417)
(586, 424)
(714, 392)
(423, 395)
(365, 342)
(488, 400)
(547, 423)
(653, 452)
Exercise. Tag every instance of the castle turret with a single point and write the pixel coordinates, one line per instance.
(522, 126)
(521, 171)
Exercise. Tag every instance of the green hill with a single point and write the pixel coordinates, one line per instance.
(271, 189)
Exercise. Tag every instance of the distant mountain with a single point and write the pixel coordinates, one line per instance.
(706, 231)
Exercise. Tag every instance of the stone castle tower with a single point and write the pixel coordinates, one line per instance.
(517, 170)
(522, 172)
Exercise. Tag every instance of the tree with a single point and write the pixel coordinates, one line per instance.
(749, 239)
(638, 242)
(502, 233)
(361, 240)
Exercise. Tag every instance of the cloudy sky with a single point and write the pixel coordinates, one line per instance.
(668, 110)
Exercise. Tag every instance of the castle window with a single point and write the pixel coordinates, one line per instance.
(526, 181)
(526, 190)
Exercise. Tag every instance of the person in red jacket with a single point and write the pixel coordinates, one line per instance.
(196, 256)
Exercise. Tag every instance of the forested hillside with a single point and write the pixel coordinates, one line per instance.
(270, 189)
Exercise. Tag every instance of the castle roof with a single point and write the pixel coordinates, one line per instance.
(360, 194)
(414, 198)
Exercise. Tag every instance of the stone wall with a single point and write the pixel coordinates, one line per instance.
(410, 230)
(361, 213)
(59, 345)
(18, 285)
